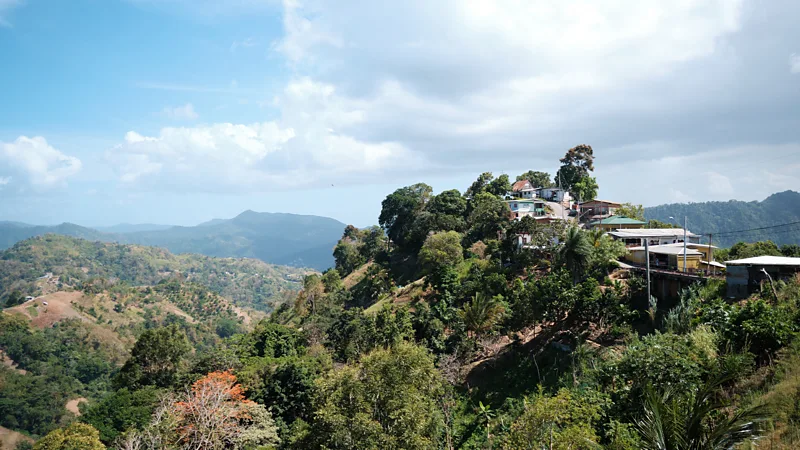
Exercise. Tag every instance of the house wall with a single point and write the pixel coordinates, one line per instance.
(692, 262)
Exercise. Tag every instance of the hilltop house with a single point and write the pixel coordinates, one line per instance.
(653, 236)
(522, 189)
(598, 209)
(745, 276)
(666, 257)
(524, 207)
(617, 223)
(553, 194)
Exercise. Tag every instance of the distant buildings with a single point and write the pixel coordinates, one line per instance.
(598, 209)
(653, 236)
(745, 276)
(617, 223)
(523, 189)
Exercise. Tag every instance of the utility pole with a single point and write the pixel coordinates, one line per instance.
(647, 262)
(685, 221)
(711, 253)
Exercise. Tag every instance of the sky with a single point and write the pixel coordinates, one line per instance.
(180, 111)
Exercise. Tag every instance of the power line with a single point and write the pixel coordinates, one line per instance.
(723, 233)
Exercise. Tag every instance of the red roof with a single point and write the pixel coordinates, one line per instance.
(519, 185)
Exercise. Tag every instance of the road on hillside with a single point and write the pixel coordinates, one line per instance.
(560, 211)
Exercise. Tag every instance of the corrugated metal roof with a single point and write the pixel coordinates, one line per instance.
(618, 220)
(667, 250)
(650, 233)
(765, 261)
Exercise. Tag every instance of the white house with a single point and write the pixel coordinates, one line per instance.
(553, 194)
(636, 237)
(522, 189)
(523, 207)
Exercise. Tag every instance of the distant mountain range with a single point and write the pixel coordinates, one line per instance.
(726, 221)
(285, 239)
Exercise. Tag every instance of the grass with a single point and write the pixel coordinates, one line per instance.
(33, 311)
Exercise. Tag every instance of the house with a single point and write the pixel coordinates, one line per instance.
(522, 189)
(524, 207)
(707, 250)
(553, 194)
(617, 223)
(666, 257)
(598, 209)
(745, 276)
(653, 236)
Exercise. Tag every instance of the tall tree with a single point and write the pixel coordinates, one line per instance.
(576, 252)
(631, 211)
(537, 179)
(155, 358)
(77, 436)
(482, 314)
(500, 186)
(479, 185)
(400, 208)
(441, 250)
(586, 188)
(576, 164)
(488, 217)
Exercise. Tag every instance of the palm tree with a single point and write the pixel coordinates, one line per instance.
(576, 252)
(679, 421)
(481, 314)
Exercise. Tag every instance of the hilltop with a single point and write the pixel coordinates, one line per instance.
(74, 261)
(277, 238)
(733, 215)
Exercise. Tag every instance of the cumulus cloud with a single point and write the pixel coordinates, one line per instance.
(35, 163)
(185, 112)
(794, 63)
(719, 184)
(297, 149)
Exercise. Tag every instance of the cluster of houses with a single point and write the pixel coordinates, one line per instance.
(667, 249)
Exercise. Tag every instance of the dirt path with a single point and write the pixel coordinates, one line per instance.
(73, 405)
(59, 307)
(8, 362)
(9, 438)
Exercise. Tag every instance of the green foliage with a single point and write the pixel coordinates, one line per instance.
(488, 217)
(576, 252)
(537, 179)
(78, 436)
(332, 280)
(399, 209)
(563, 421)
(120, 411)
(714, 217)
(585, 188)
(271, 340)
(155, 359)
(479, 185)
(576, 165)
(742, 250)
(441, 250)
(248, 282)
(500, 186)
(388, 400)
(482, 314)
(631, 211)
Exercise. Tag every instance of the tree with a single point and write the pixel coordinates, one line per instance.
(479, 185)
(683, 420)
(576, 252)
(121, 411)
(585, 188)
(489, 217)
(388, 400)
(155, 358)
(631, 211)
(15, 298)
(373, 241)
(576, 164)
(77, 436)
(791, 250)
(537, 179)
(216, 415)
(563, 421)
(500, 186)
(332, 280)
(482, 314)
(400, 208)
(441, 250)
(347, 256)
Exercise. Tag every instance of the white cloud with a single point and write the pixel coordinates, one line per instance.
(794, 63)
(5, 180)
(719, 184)
(298, 149)
(244, 43)
(185, 112)
(5, 6)
(35, 162)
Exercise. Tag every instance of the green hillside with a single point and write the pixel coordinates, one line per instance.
(248, 282)
(716, 217)
(286, 239)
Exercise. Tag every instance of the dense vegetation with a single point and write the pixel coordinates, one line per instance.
(437, 330)
(247, 282)
(716, 217)
(286, 239)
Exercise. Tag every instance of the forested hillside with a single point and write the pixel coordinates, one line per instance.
(248, 282)
(285, 239)
(716, 217)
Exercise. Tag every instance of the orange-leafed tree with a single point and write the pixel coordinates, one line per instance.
(215, 414)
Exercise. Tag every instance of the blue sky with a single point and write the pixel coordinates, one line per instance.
(178, 111)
